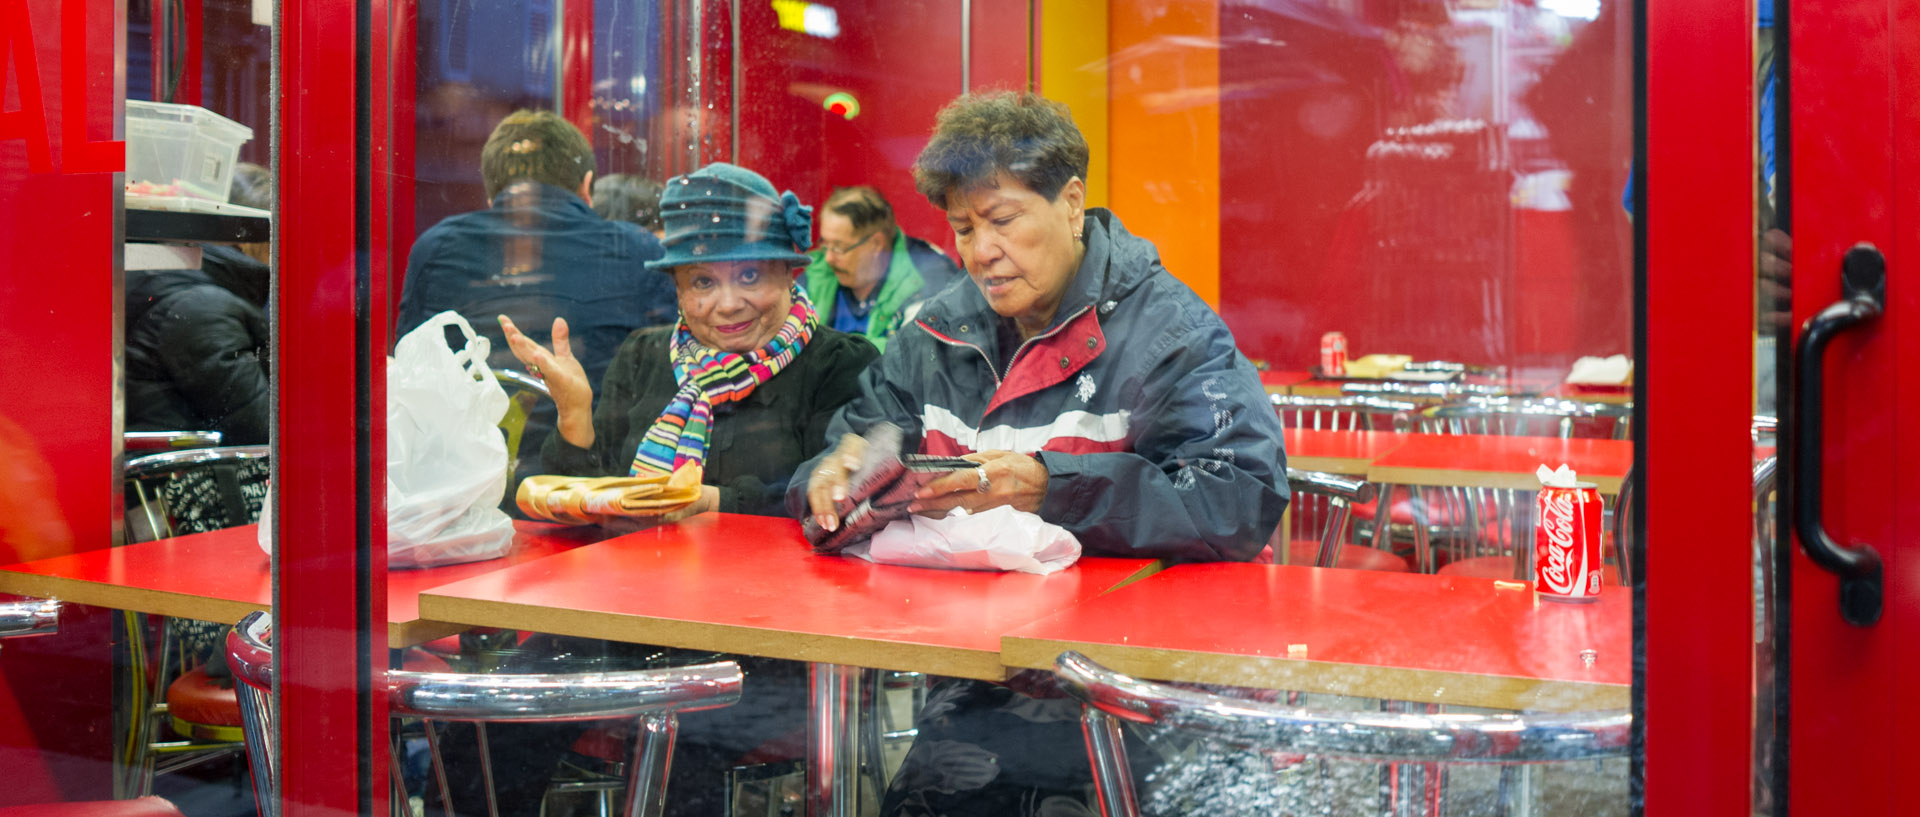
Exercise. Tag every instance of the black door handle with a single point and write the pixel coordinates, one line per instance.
(1864, 281)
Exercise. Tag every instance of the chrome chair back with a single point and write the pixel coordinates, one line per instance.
(1497, 521)
(29, 617)
(1342, 413)
(1321, 507)
(524, 392)
(196, 490)
(1109, 697)
(654, 697)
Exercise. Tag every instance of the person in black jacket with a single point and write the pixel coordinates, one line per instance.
(197, 340)
(743, 385)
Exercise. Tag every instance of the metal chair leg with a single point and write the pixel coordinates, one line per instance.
(439, 768)
(647, 779)
(1107, 753)
(833, 769)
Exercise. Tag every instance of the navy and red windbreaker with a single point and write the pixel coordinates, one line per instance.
(1155, 431)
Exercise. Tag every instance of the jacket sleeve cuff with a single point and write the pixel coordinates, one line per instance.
(1063, 505)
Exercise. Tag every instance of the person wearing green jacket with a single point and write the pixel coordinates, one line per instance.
(867, 275)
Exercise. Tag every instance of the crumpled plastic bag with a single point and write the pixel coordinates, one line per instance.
(999, 538)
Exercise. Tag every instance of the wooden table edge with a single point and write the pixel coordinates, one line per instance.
(402, 634)
(118, 597)
(766, 642)
(1306, 675)
(1464, 478)
(1330, 465)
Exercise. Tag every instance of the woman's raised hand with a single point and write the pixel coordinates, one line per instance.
(566, 380)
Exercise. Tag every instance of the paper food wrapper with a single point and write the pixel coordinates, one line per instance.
(1562, 477)
(589, 500)
(999, 538)
(1601, 371)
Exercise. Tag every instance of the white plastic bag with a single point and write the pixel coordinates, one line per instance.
(994, 539)
(446, 458)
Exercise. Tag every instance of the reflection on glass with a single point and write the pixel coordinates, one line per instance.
(1441, 183)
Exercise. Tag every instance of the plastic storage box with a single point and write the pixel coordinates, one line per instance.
(181, 150)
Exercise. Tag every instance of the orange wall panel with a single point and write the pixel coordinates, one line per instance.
(1163, 75)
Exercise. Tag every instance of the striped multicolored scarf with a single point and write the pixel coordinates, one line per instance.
(708, 377)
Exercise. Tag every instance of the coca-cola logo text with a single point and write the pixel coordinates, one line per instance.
(1557, 569)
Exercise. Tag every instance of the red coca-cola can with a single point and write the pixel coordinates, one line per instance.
(1333, 354)
(1566, 543)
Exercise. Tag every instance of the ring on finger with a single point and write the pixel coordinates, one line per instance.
(985, 484)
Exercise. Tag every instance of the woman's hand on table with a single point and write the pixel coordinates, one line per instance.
(827, 487)
(709, 501)
(566, 381)
(1011, 479)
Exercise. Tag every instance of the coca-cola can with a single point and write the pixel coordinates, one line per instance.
(1333, 354)
(1566, 543)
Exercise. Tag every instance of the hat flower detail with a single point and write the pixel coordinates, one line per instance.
(799, 219)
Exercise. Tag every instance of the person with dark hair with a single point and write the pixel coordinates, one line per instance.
(197, 340)
(1091, 387)
(538, 253)
(867, 274)
(625, 196)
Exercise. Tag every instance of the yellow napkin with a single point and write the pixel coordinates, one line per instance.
(1377, 365)
(588, 500)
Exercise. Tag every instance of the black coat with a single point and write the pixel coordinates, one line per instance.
(197, 349)
(756, 443)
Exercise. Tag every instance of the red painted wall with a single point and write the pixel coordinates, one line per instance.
(59, 428)
(1430, 258)
(901, 60)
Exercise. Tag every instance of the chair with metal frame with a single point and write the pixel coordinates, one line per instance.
(1486, 531)
(1316, 530)
(1354, 413)
(36, 617)
(1507, 740)
(655, 698)
(182, 492)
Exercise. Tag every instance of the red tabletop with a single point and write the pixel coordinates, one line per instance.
(1338, 452)
(1472, 460)
(1282, 382)
(1409, 637)
(750, 584)
(223, 575)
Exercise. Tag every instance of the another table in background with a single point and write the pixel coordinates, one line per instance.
(1477, 461)
(223, 575)
(1338, 452)
(1283, 382)
(1407, 637)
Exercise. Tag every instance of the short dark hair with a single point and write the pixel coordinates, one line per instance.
(629, 197)
(252, 186)
(864, 207)
(1024, 135)
(538, 146)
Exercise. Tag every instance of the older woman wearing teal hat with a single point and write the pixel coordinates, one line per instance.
(743, 385)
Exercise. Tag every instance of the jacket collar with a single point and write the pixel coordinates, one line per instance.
(527, 194)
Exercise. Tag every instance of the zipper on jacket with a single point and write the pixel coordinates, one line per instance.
(1015, 360)
(983, 353)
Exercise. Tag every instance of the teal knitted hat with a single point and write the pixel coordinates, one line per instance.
(722, 212)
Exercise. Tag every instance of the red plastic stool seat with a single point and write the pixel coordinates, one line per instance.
(137, 807)
(204, 708)
(609, 741)
(1352, 557)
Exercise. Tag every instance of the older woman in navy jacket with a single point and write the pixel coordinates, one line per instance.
(1091, 386)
